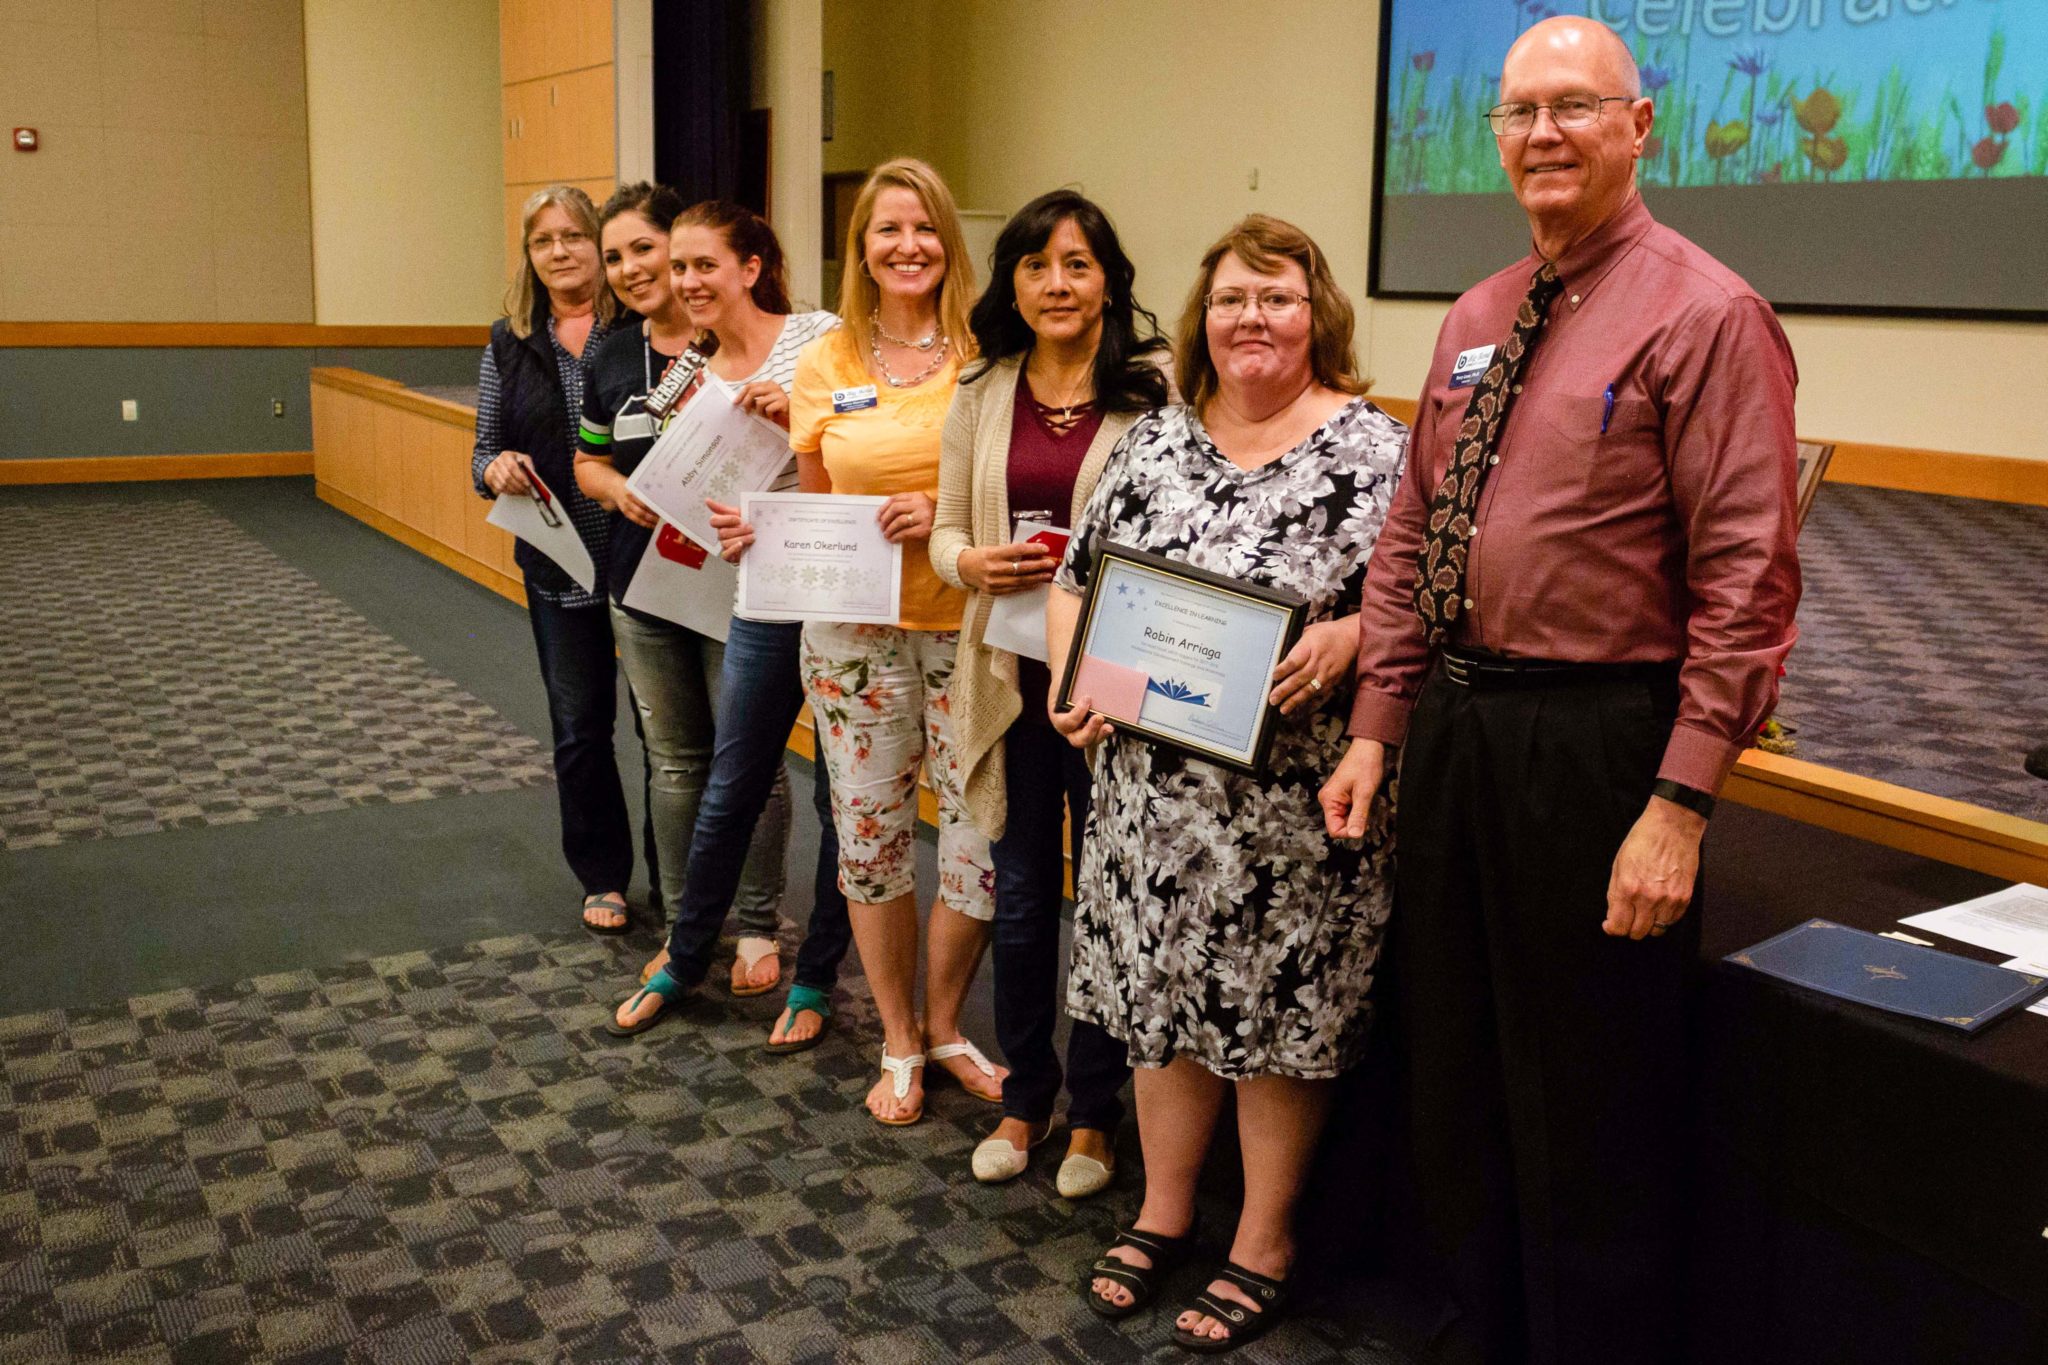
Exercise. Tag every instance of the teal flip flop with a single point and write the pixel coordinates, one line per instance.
(802, 998)
(672, 993)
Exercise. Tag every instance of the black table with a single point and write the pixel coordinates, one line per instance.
(1870, 1187)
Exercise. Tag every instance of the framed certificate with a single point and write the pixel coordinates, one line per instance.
(1180, 656)
(818, 557)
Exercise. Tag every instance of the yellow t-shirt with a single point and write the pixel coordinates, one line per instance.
(889, 447)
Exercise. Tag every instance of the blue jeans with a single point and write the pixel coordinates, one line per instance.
(577, 668)
(759, 695)
(1045, 778)
(676, 675)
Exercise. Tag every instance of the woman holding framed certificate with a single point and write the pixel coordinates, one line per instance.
(1218, 932)
(674, 670)
(865, 414)
(1065, 369)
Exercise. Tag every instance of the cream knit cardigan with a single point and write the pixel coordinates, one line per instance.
(974, 510)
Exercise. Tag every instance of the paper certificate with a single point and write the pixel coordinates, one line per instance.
(819, 557)
(542, 520)
(1181, 656)
(1016, 622)
(713, 449)
(681, 581)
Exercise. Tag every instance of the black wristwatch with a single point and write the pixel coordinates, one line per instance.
(1692, 798)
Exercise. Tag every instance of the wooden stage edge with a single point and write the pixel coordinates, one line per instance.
(268, 464)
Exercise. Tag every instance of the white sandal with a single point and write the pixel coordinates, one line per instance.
(752, 952)
(963, 1048)
(900, 1068)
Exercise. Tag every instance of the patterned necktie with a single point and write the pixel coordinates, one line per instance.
(1440, 569)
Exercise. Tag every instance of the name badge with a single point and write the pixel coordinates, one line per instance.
(1471, 366)
(855, 399)
(633, 426)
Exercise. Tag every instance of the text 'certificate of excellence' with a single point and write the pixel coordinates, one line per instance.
(819, 557)
(1180, 656)
(712, 448)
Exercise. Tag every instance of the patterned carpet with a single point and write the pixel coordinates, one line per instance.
(442, 1157)
(165, 669)
(1923, 650)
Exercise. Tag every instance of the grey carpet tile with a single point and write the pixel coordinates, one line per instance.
(442, 1157)
(164, 669)
(1923, 646)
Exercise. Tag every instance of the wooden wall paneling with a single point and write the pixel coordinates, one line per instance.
(206, 335)
(416, 472)
(452, 488)
(517, 25)
(594, 32)
(528, 147)
(387, 488)
(362, 432)
(515, 249)
(584, 131)
(327, 435)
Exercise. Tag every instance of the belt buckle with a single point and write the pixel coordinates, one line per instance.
(1458, 670)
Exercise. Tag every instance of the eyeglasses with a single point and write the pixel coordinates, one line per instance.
(1571, 111)
(547, 241)
(1274, 303)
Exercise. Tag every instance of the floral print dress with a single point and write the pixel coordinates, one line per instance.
(1214, 919)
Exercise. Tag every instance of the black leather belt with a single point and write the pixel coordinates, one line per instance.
(1476, 668)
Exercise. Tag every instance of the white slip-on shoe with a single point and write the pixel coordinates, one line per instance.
(997, 1159)
(1082, 1176)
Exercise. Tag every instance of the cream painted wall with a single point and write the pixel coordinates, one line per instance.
(788, 42)
(1161, 109)
(192, 118)
(880, 54)
(402, 102)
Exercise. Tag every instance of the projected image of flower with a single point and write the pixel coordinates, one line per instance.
(1817, 91)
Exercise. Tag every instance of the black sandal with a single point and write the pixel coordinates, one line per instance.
(1246, 1324)
(1143, 1281)
(605, 900)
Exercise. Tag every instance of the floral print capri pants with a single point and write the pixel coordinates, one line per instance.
(880, 698)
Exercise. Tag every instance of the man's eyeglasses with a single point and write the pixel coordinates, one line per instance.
(1274, 303)
(546, 241)
(1569, 111)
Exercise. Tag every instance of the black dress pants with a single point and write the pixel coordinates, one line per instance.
(1545, 1075)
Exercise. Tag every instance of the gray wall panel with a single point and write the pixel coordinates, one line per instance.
(58, 403)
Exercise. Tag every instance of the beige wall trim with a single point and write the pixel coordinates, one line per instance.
(269, 464)
(1896, 817)
(1996, 478)
(297, 335)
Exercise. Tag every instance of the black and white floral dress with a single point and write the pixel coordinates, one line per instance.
(1215, 920)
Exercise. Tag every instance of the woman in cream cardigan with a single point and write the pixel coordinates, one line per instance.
(1064, 372)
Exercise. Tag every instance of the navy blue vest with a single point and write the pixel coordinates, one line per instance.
(533, 419)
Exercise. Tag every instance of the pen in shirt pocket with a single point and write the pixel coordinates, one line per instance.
(1607, 410)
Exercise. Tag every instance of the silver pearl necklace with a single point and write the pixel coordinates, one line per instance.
(931, 368)
(875, 323)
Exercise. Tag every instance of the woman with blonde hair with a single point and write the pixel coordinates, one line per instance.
(866, 410)
(529, 397)
(1218, 931)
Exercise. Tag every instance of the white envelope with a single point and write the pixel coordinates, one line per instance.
(712, 448)
(522, 516)
(1017, 622)
(679, 580)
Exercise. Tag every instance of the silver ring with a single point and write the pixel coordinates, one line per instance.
(1315, 684)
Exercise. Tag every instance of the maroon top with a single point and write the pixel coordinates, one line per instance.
(1660, 530)
(1043, 465)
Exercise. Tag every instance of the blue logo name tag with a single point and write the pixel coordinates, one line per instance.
(1471, 366)
(854, 399)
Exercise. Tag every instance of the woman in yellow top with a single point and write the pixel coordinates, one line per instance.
(866, 412)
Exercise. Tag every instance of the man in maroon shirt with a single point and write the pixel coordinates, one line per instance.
(1607, 590)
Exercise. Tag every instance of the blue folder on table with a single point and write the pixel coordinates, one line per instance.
(1903, 978)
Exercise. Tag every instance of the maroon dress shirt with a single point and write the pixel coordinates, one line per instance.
(1658, 529)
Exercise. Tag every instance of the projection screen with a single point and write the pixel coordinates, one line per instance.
(1881, 156)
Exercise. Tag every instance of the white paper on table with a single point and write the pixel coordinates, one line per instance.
(2013, 921)
(679, 580)
(1016, 622)
(712, 448)
(2020, 964)
(521, 515)
(819, 557)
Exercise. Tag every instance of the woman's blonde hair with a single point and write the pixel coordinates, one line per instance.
(1266, 244)
(860, 296)
(526, 289)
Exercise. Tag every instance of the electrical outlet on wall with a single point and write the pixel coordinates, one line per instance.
(277, 407)
(130, 410)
